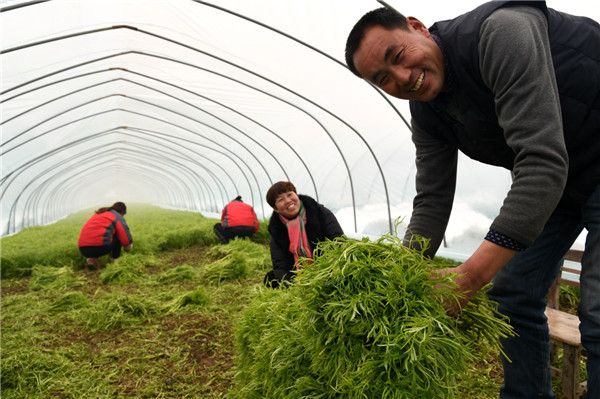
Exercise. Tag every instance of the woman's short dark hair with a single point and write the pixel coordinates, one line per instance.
(385, 17)
(278, 188)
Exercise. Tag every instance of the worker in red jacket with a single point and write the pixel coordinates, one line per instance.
(105, 233)
(238, 219)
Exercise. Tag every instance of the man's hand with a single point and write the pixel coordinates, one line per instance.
(466, 286)
(476, 272)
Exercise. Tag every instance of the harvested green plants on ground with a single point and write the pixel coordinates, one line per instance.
(364, 320)
(167, 320)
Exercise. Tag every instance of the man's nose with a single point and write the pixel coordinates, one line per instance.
(401, 74)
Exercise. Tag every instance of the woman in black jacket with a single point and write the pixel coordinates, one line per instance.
(297, 224)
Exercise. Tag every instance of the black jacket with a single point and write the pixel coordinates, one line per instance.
(321, 224)
(480, 137)
(495, 112)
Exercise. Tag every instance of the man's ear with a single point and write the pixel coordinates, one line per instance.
(417, 25)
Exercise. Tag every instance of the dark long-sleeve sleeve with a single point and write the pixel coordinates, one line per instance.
(516, 65)
(436, 162)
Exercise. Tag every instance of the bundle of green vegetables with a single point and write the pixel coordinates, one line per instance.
(364, 320)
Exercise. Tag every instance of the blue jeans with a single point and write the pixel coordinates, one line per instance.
(520, 289)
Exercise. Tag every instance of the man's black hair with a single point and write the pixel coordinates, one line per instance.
(386, 17)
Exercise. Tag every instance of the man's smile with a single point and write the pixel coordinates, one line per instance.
(419, 83)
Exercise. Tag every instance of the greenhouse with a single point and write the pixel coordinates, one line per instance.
(187, 104)
(177, 107)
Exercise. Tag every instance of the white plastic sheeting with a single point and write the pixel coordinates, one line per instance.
(186, 104)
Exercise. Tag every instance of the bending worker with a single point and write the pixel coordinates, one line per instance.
(105, 233)
(515, 85)
(238, 219)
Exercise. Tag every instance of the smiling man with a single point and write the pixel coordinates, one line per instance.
(405, 63)
(515, 85)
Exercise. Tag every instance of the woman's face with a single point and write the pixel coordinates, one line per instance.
(287, 204)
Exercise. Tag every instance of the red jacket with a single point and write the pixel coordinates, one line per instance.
(238, 213)
(101, 228)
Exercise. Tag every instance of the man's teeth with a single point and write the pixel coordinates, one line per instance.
(419, 82)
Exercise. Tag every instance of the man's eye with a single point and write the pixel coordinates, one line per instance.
(383, 80)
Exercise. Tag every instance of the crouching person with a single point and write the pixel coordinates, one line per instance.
(106, 232)
(238, 219)
(297, 224)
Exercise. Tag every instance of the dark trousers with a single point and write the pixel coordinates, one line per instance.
(228, 233)
(114, 249)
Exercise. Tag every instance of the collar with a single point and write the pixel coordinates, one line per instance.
(445, 98)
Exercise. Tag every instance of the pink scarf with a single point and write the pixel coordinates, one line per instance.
(297, 232)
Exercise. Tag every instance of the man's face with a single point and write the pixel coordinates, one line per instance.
(407, 64)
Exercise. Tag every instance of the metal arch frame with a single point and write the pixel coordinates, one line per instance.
(57, 151)
(172, 158)
(35, 198)
(246, 117)
(158, 106)
(312, 117)
(51, 214)
(151, 117)
(220, 185)
(71, 144)
(169, 95)
(324, 54)
(227, 77)
(28, 3)
(168, 159)
(140, 162)
(134, 166)
(167, 123)
(206, 4)
(212, 141)
(173, 97)
(285, 101)
(53, 210)
(379, 91)
(20, 169)
(151, 172)
(112, 131)
(249, 86)
(53, 99)
(12, 214)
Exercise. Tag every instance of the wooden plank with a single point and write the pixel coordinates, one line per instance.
(564, 331)
(564, 327)
(570, 372)
(574, 255)
(556, 372)
(571, 270)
